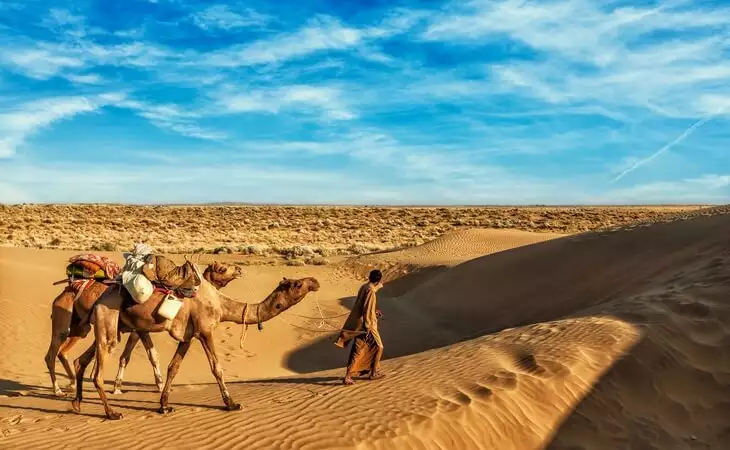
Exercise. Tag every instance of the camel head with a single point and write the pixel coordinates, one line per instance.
(220, 274)
(287, 294)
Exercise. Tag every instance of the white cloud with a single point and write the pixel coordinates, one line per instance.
(17, 124)
(298, 97)
(89, 78)
(40, 63)
(221, 16)
(174, 118)
(591, 55)
(321, 33)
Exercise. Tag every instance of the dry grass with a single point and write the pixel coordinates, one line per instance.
(304, 233)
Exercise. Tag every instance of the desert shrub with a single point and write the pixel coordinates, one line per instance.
(255, 249)
(104, 247)
(54, 242)
(317, 261)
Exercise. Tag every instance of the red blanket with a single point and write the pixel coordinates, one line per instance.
(111, 268)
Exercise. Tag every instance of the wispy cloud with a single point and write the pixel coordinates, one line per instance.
(329, 100)
(320, 34)
(17, 124)
(459, 101)
(223, 17)
(674, 142)
(172, 118)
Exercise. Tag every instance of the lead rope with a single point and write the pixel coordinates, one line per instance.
(244, 316)
(244, 331)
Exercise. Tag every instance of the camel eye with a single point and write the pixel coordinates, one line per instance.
(278, 306)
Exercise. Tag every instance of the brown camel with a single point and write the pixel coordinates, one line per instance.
(70, 324)
(198, 317)
(219, 275)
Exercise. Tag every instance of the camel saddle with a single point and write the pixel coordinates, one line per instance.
(146, 312)
(164, 273)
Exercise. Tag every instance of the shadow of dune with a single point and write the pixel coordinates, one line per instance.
(555, 279)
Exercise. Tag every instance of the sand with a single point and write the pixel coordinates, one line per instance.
(606, 340)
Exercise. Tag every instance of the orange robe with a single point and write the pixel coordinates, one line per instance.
(361, 326)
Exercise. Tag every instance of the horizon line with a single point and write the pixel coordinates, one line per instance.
(375, 205)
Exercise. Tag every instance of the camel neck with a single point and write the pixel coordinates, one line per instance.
(233, 311)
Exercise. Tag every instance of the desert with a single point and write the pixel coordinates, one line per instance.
(369, 225)
(494, 338)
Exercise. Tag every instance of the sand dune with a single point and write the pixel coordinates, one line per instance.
(407, 268)
(618, 339)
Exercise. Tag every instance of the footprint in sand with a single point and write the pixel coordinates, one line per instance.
(546, 368)
(502, 379)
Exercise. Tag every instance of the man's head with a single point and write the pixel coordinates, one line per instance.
(375, 277)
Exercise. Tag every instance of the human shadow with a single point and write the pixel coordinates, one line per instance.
(323, 354)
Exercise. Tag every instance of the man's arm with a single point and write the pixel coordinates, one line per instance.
(369, 310)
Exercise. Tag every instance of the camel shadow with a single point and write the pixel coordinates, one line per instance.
(12, 388)
(316, 381)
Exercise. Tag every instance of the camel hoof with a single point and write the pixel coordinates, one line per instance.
(233, 407)
(76, 405)
(59, 393)
(114, 416)
(165, 409)
(117, 391)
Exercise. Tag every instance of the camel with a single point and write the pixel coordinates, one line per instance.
(69, 324)
(219, 275)
(198, 317)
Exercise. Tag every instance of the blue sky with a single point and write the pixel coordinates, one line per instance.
(463, 102)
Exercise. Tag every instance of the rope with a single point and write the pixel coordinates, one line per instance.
(244, 331)
(321, 316)
(322, 320)
(320, 330)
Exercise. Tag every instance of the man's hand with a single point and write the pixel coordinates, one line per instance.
(378, 313)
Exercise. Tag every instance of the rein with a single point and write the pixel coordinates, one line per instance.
(244, 316)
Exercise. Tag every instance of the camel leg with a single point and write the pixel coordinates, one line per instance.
(124, 360)
(153, 357)
(103, 348)
(217, 369)
(60, 324)
(81, 363)
(50, 358)
(172, 368)
(63, 357)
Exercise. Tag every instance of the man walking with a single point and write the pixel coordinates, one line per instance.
(361, 326)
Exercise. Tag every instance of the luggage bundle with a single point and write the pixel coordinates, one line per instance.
(91, 267)
(144, 271)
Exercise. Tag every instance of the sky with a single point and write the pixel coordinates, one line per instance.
(371, 102)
